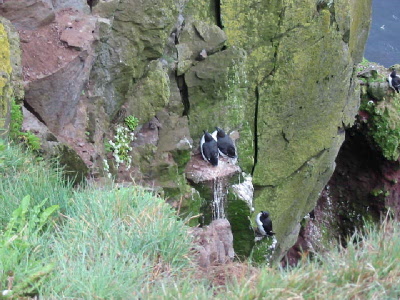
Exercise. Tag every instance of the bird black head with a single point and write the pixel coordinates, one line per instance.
(265, 214)
(220, 132)
(207, 137)
(393, 74)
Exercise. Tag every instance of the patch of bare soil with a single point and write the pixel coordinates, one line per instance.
(43, 53)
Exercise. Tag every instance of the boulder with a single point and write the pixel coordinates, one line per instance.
(28, 14)
(214, 243)
(55, 71)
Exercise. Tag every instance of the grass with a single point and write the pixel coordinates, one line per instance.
(128, 244)
(22, 174)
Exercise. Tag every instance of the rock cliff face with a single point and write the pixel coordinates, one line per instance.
(10, 72)
(281, 74)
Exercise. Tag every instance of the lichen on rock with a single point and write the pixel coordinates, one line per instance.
(304, 94)
(10, 72)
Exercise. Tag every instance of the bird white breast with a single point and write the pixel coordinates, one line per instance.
(202, 141)
(390, 81)
(260, 224)
(214, 135)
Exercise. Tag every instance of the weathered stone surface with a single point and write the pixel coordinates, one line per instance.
(75, 169)
(32, 124)
(28, 14)
(174, 133)
(214, 243)
(218, 96)
(65, 79)
(280, 73)
(303, 95)
(80, 5)
(140, 30)
(150, 94)
(10, 72)
(198, 37)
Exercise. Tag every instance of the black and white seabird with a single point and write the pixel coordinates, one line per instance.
(209, 148)
(394, 81)
(264, 223)
(225, 143)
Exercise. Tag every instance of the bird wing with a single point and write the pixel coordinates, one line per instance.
(267, 224)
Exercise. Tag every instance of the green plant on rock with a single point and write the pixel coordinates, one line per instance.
(31, 141)
(364, 64)
(131, 122)
(120, 146)
(384, 126)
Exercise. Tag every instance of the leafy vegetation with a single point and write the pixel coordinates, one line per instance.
(364, 64)
(30, 140)
(384, 125)
(131, 122)
(120, 145)
(128, 244)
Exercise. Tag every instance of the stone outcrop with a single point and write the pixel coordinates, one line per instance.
(62, 77)
(214, 243)
(279, 73)
(28, 14)
(301, 66)
(10, 72)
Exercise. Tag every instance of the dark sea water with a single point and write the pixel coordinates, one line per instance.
(383, 45)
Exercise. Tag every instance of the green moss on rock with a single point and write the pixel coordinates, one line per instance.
(263, 251)
(136, 34)
(384, 125)
(303, 95)
(74, 167)
(219, 96)
(238, 213)
(150, 94)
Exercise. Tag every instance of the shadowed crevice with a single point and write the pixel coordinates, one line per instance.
(218, 18)
(183, 89)
(255, 142)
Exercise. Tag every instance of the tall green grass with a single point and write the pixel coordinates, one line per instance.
(128, 244)
(114, 244)
(21, 174)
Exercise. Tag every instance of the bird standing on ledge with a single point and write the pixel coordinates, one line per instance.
(225, 143)
(264, 223)
(394, 81)
(209, 148)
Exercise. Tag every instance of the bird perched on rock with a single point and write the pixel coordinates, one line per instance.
(209, 148)
(225, 143)
(394, 81)
(264, 223)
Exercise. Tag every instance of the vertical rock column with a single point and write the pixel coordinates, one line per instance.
(10, 72)
(301, 56)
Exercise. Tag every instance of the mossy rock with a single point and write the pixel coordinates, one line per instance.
(74, 167)
(150, 94)
(11, 88)
(263, 251)
(219, 96)
(238, 213)
(302, 96)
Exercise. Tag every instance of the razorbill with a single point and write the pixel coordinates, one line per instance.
(209, 148)
(394, 81)
(264, 223)
(225, 144)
